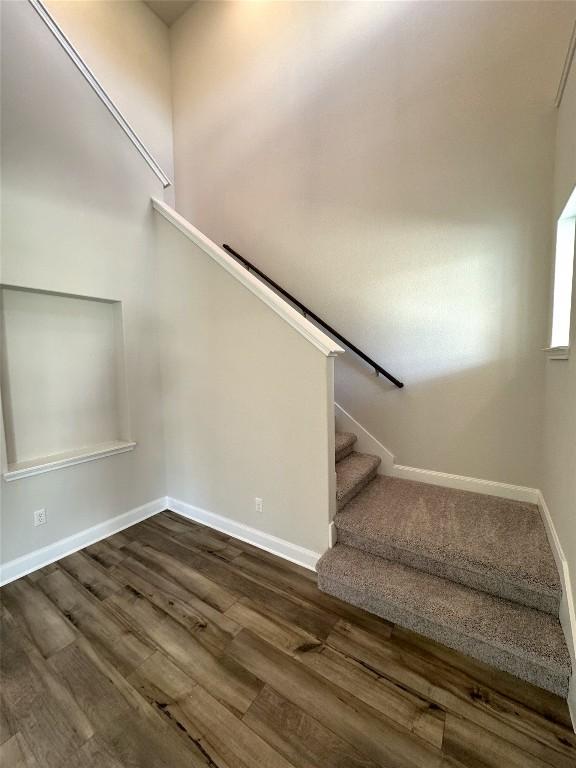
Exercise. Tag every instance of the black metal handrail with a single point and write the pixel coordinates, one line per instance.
(308, 313)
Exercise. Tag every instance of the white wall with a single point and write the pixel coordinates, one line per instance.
(127, 47)
(559, 477)
(76, 218)
(391, 165)
(248, 402)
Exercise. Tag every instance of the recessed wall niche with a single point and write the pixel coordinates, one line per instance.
(62, 378)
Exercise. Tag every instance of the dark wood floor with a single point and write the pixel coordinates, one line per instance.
(172, 645)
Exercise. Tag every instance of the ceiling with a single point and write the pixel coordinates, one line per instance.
(169, 10)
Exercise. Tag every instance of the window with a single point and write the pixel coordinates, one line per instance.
(563, 272)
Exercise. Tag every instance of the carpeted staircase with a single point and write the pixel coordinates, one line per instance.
(471, 571)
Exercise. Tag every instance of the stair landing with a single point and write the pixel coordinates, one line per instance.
(493, 544)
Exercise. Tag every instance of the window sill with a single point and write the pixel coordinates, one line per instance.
(60, 460)
(557, 353)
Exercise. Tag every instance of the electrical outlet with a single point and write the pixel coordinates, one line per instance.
(40, 517)
(259, 505)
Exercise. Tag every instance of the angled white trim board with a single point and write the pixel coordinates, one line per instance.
(266, 541)
(367, 443)
(61, 460)
(21, 566)
(89, 76)
(280, 306)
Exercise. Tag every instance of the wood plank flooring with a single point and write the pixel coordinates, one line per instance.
(172, 645)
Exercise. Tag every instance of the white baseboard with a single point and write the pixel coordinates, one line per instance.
(463, 483)
(21, 566)
(367, 443)
(567, 608)
(285, 549)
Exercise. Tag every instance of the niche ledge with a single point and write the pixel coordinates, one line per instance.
(60, 460)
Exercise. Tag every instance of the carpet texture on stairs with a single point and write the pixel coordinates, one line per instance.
(510, 636)
(344, 444)
(496, 545)
(474, 572)
(353, 473)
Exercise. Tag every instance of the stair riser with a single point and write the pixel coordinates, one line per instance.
(523, 668)
(486, 582)
(356, 489)
(343, 452)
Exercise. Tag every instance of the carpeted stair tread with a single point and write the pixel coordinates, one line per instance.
(511, 637)
(353, 473)
(489, 543)
(344, 444)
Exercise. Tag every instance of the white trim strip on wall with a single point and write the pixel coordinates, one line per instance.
(21, 566)
(60, 461)
(89, 76)
(280, 306)
(280, 547)
(463, 483)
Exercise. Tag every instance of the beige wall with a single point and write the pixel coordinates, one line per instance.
(127, 47)
(407, 200)
(391, 165)
(559, 480)
(246, 402)
(76, 218)
(61, 373)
